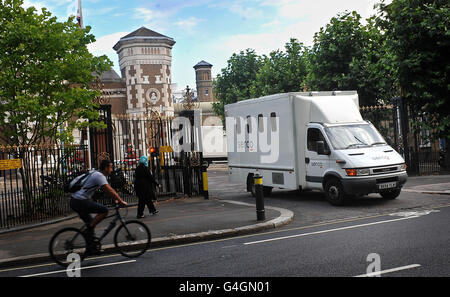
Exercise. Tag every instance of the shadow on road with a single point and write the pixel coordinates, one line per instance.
(319, 197)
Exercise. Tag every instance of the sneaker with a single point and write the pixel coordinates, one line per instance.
(93, 251)
(94, 247)
(155, 212)
(140, 217)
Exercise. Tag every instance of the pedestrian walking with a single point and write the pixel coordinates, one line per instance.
(143, 186)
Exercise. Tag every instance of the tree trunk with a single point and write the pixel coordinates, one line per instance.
(27, 186)
(447, 154)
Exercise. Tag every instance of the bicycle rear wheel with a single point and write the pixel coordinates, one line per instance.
(65, 242)
(132, 239)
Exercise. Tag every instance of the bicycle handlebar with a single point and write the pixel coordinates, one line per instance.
(119, 205)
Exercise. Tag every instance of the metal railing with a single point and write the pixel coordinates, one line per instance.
(420, 160)
(33, 192)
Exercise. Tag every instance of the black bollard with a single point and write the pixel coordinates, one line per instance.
(260, 212)
(205, 179)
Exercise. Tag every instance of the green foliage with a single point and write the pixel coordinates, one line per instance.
(51, 201)
(402, 51)
(348, 55)
(45, 72)
(249, 75)
(234, 83)
(418, 37)
(281, 72)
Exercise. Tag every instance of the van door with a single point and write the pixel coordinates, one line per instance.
(316, 164)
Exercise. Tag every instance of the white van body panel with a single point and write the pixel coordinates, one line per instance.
(244, 155)
(296, 167)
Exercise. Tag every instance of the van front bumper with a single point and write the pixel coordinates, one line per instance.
(374, 183)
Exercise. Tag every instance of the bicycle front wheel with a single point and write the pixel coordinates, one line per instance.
(132, 239)
(67, 242)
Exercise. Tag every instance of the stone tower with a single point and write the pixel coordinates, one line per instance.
(145, 59)
(204, 81)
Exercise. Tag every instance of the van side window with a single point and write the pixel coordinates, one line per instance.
(273, 121)
(315, 135)
(238, 125)
(260, 123)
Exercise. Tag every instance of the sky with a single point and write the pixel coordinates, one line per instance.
(210, 30)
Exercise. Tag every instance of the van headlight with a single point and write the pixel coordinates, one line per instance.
(365, 171)
(358, 172)
(402, 167)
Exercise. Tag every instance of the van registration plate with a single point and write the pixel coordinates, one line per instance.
(387, 186)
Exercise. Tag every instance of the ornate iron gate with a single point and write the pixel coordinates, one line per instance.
(179, 173)
(101, 140)
(394, 122)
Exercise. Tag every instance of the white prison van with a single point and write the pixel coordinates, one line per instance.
(311, 140)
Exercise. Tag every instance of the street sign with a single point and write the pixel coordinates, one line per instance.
(166, 149)
(10, 164)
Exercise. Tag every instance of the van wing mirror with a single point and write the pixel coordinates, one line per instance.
(321, 150)
(389, 140)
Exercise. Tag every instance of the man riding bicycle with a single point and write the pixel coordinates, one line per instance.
(82, 203)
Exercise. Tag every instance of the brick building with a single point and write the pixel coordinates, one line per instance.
(145, 61)
(145, 84)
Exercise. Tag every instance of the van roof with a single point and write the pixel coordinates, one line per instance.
(323, 107)
(283, 95)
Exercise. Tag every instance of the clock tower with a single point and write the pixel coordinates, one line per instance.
(145, 60)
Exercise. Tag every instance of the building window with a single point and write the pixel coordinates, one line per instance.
(207, 92)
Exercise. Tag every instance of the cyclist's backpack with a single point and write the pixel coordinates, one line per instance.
(77, 183)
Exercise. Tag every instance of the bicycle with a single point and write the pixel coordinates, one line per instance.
(132, 239)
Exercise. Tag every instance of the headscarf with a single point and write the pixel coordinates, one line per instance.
(143, 160)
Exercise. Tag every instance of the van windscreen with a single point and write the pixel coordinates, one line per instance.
(353, 136)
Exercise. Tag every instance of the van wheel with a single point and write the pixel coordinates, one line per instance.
(253, 190)
(266, 190)
(390, 195)
(250, 186)
(334, 192)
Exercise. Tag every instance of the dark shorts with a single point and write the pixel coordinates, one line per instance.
(85, 207)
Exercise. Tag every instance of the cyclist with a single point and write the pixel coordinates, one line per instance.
(82, 203)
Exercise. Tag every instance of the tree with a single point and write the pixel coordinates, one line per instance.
(281, 72)
(418, 36)
(234, 83)
(347, 55)
(45, 72)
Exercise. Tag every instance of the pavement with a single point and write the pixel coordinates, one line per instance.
(432, 184)
(179, 221)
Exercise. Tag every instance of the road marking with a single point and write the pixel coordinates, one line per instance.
(327, 231)
(414, 213)
(88, 267)
(389, 270)
(338, 221)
